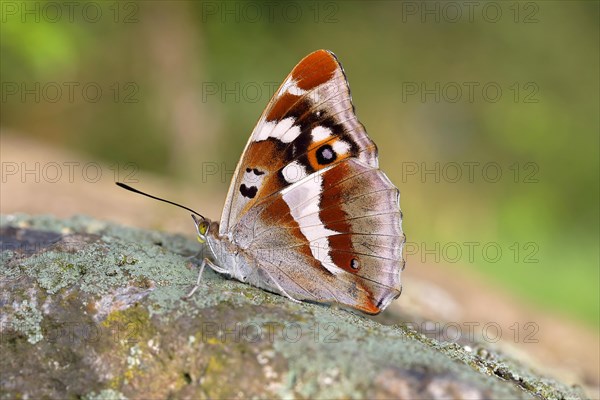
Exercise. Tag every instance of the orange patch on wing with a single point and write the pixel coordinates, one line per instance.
(331, 209)
(315, 69)
(366, 301)
(277, 212)
(341, 253)
(338, 225)
(332, 177)
(314, 147)
(263, 155)
(281, 107)
(270, 185)
(368, 307)
(334, 218)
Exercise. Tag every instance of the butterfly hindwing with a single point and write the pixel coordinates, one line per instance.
(332, 237)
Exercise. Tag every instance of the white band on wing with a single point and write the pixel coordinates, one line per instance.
(284, 130)
(300, 198)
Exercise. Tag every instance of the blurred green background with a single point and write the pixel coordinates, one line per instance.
(505, 94)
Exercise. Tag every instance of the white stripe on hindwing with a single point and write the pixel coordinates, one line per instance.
(303, 199)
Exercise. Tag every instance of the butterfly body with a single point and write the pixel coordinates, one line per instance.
(309, 215)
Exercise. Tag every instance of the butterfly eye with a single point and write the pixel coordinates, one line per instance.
(203, 228)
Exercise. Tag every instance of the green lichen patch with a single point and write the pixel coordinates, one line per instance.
(100, 267)
(106, 394)
(26, 319)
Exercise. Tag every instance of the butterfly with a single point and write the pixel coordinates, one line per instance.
(309, 215)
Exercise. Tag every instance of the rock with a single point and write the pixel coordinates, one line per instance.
(94, 310)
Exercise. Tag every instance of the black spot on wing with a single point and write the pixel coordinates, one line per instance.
(326, 155)
(256, 172)
(249, 192)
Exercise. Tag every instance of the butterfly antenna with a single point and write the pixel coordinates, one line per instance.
(124, 186)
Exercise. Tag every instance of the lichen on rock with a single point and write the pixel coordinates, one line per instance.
(95, 310)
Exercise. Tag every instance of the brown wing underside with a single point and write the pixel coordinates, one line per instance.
(308, 203)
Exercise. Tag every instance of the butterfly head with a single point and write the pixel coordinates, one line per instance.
(202, 226)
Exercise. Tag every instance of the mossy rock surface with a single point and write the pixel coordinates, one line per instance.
(90, 309)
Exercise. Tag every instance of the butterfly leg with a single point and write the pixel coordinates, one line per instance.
(216, 268)
(194, 256)
(197, 285)
(200, 254)
(213, 266)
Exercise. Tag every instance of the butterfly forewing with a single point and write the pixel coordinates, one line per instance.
(308, 125)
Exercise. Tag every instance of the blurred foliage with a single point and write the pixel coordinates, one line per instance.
(158, 65)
